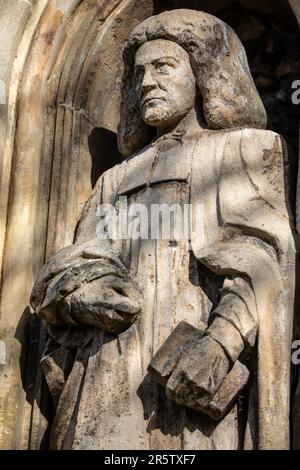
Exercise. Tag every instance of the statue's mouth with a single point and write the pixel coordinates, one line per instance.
(152, 99)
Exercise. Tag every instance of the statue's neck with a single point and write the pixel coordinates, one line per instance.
(189, 121)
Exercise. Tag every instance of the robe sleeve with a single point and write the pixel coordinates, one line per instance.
(248, 235)
(233, 323)
(86, 286)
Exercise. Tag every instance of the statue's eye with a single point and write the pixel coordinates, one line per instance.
(162, 67)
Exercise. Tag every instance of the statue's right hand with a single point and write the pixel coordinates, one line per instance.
(110, 303)
(86, 286)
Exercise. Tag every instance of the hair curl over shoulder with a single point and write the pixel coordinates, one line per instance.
(218, 58)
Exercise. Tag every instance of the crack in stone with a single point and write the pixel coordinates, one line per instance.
(77, 111)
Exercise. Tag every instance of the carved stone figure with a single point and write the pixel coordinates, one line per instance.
(152, 339)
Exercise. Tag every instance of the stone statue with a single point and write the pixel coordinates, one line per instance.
(192, 131)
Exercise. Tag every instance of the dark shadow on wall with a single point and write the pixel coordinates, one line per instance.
(104, 151)
(31, 335)
(281, 7)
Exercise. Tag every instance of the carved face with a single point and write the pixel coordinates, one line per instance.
(165, 82)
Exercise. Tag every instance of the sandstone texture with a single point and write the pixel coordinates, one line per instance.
(67, 112)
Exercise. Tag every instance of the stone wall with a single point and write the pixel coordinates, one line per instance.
(60, 69)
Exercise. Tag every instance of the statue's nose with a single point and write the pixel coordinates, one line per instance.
(148, 82)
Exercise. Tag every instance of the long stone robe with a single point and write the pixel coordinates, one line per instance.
(108, 400)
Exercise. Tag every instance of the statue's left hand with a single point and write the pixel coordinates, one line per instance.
(199, 374)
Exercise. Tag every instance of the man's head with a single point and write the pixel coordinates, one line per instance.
(165, 83)
(228, 96)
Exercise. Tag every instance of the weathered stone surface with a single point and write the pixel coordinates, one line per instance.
(226, 394)
(198, 374)
(296, 8)
(182, 339)
(91, 288)
(182, 349)
(60, 74)
(169, 60)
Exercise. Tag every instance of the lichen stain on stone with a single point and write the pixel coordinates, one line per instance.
(272, 164)
(51, 23)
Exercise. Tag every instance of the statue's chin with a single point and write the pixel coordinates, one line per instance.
(156, 121)
(162, 116)
(156, 116)
(152, 122)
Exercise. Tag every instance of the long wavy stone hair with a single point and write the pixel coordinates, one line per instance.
(218, 59)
